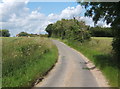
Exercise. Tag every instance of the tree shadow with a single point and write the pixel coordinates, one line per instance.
(104, 60)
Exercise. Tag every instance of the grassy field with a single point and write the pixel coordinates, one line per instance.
(99, 51)
(26, 59)
(0, 63)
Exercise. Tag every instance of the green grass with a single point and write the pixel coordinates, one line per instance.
(99, 51)
(0, 63)
(26, 59)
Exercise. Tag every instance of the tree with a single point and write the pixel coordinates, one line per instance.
(4, 33)
(70, 29)
(23, 34)
(109, 12)
(49, 29)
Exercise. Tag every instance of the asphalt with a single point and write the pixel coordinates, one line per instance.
(69, 71)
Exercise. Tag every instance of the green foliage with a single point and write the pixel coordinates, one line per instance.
(110, 12)
(25, 60)
(49, 30)
(23, 34)
(43, 35)
(69, 29)
(101, 32)
(4, 33)
(99, 51)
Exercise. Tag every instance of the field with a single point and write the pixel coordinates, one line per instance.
(99, 51)
(26, 59)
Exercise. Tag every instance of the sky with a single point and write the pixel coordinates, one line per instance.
(33, 17)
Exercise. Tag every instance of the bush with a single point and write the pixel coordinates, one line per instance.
(4, 33)
(22, 34)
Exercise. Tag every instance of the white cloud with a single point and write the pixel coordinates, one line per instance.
(11, 1)
(8, 10)
(35, 15)
(87, 20)
(71, 12)
(17, 17)
(53, 16)
(103, 24)
(67, 13)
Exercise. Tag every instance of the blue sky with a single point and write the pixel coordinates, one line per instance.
(33, 17)
(51, 7)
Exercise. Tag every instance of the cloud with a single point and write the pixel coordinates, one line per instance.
(17, 17)
(71, 12)
(87, 20)
(102, 23)
(35, 15)
(53, 16)
(67, 13)
(10, 9)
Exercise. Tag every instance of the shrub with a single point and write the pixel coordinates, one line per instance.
(23, 34)
(4, 33)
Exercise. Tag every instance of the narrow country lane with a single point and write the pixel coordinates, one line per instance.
(70, 70)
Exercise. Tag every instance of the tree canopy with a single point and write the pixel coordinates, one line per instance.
(69, 29)
(109, 12)
(49, 29)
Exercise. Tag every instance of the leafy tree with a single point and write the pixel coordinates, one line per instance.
(110, 12)
(4, 33)
(49, 29)
(70, 29)
(23, 34)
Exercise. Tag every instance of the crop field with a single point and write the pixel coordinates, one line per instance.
(99, 51)
(26, 59)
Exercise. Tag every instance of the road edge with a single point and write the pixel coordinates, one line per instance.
(100, 78)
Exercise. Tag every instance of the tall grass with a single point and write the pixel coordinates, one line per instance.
(99, 51)
(0, 62)
(26, 59)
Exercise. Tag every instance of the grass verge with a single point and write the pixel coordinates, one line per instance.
(99, 51)
(26, 59)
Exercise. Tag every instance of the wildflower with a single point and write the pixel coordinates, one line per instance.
(15, 56)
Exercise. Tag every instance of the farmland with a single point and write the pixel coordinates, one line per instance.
(99, 51)
(26, 59)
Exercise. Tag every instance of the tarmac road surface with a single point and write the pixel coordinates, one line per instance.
(69, 71)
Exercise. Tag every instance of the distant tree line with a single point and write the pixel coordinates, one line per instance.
(25, 34)
(70, 29)
(22, 34)
(4, 33)
(101, 32)
(75, 30)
